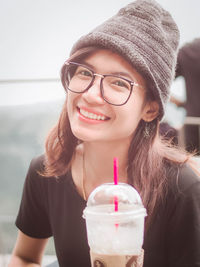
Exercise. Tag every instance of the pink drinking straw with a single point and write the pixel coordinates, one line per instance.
(116, 203)
(115, 163)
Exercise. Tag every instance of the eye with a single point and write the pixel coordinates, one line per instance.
(121, 83)
(86, 73)
(83, 72)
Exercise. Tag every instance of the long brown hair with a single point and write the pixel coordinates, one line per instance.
(147, 153)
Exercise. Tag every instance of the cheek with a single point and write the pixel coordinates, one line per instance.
(130, 116)
(69, 104)
(70, 101)
(133, 110)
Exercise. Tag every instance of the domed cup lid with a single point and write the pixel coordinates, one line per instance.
(107, 193)
(113, 202)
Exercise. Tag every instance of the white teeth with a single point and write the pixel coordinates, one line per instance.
(92, 115)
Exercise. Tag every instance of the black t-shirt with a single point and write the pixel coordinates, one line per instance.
(53, 207)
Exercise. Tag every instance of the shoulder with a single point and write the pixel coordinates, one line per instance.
(181, 174)
(183, 183)
(39, 186)
(37, 163)
(183, 196)
(36, 171)
(182, 218)
(187, 178)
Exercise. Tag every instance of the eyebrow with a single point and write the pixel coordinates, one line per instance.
(118, 73)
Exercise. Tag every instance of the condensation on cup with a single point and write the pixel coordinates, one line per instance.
(115, 237)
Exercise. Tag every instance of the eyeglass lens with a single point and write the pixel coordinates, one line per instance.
(115, 90)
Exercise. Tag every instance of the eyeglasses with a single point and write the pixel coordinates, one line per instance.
(114, 89)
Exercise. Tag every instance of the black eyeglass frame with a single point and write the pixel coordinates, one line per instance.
(102, 76)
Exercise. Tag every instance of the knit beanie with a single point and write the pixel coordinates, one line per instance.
(147, 37)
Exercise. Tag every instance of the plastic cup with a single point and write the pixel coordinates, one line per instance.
(115, 238)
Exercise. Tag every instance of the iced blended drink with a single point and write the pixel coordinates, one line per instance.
(115, 236)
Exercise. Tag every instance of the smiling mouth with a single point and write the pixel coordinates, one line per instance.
(92, 116)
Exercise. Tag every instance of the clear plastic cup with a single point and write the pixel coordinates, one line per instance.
(114, 236)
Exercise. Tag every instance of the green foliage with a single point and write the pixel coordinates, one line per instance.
(22, 136)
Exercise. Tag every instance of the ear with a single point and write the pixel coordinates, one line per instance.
(151, 111)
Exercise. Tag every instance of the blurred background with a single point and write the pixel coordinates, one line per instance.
(35, 40)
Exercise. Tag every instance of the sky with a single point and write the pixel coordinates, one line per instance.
(36, 38)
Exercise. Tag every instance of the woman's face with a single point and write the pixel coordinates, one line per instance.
(93, 119)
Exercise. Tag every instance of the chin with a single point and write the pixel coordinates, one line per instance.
(80, 135)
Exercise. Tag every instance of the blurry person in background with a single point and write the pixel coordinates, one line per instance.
(117, 81)
(188, 66)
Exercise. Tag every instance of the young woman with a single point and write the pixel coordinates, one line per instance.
(117, 82)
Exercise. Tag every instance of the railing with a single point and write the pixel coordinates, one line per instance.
(188, 121)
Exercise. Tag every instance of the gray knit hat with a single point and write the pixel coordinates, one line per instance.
(145, 35)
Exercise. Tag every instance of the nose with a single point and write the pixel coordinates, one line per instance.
(93, 94)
